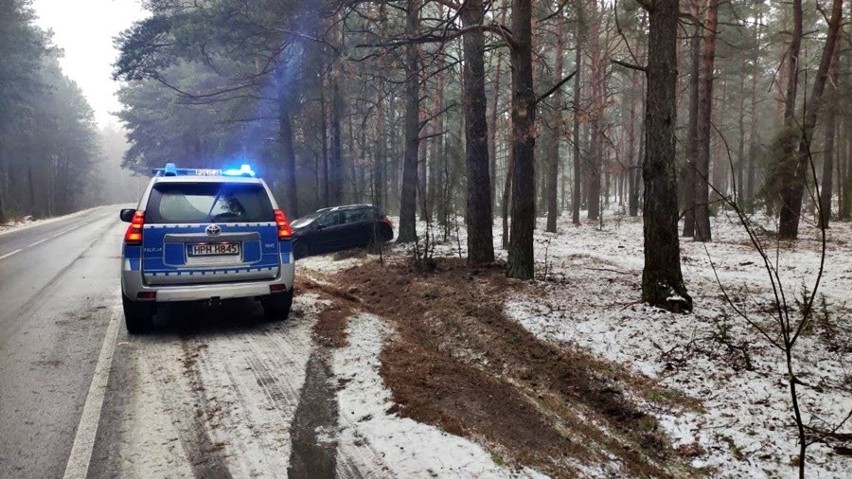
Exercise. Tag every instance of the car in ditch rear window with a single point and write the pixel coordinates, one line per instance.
(205, 235)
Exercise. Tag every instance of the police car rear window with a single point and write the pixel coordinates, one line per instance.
(208, 203)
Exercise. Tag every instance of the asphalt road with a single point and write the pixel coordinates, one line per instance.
(58, 287)
(210, 393)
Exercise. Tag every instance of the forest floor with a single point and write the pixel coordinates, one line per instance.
(570, 375)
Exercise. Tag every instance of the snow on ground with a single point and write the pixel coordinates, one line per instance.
(747, 430)
(368, 431)
(29, 222)
(590, 279)
(327, 264)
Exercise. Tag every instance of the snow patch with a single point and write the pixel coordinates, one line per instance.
(592, 302)
(374, 439)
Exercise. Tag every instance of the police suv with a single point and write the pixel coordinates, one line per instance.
(205, 235)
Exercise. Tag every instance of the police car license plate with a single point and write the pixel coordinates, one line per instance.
(214, 249)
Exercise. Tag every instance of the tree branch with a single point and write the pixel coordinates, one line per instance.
(553, 89)
(630, 65)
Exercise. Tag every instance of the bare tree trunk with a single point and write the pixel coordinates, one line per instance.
(593, 172)
(576, 194)
(737, 176)
(285, 138)
(395, 152)
(632, 158)
(846, 209)
(357, 158)
(436, 186)
(752, 149)
(636, 170)
(520, 261)
(787, 167)
(408, 200)
(828, 148)
(507, 199)
(705, 106)
(792, 194)
(492, 125)
(662, 279)
(336, 176)
(379, 182)
(598, 99)
(479, 218)
(422, 179)
(556, 122)
(324, 137)
(436, 150)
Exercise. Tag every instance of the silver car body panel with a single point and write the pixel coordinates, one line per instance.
(206, 277)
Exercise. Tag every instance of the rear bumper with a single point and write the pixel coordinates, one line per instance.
(132, 284)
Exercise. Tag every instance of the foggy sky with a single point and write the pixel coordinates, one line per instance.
(85, 29)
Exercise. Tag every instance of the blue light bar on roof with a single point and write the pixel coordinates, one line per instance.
(171, 170)
(244, 170)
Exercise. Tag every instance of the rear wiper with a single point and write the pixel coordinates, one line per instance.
(213, 205)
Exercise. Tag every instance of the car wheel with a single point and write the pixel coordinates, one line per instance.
(138, 316)
(300, 250)
(276, 307)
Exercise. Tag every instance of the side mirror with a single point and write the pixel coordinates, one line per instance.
(126, 214)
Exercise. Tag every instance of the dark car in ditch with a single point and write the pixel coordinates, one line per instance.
(338, 228)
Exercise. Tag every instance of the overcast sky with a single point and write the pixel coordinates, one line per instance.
(85, 30)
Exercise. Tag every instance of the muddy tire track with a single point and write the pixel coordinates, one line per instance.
(314, 427)
(192, 417)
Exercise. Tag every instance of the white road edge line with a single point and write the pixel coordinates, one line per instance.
(37, 242)
(84, 441)
(12, 253)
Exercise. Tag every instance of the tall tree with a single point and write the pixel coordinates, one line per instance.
(797, 170)
(576, 194)
(408, 199)
(690, 172)
(285, 140)
(828, 149)
(786, 162)
(479, 216)
(22, 47)
(437, 179)
(556, 130)
(336, 176)
(704, 127)
(520, 262)
(662, 279)
(597, 79)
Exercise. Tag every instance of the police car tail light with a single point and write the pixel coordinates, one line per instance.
(284, 230)
(133, 235)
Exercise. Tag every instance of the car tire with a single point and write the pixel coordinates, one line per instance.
(138, 316)
(300, 250)
(276, 307)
